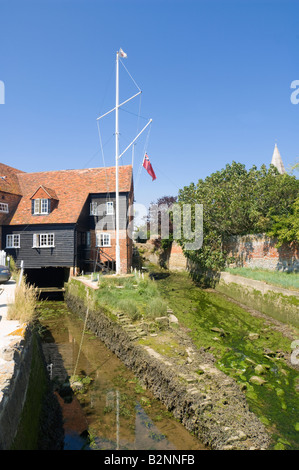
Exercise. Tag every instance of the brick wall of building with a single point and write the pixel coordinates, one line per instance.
(125, 245)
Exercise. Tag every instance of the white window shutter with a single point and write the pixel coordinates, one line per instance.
(35, 244)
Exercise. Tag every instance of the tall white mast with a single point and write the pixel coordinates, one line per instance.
(117, 249)
(119, 53)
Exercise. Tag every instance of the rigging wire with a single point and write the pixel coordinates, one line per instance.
(129, 75)
(103, 158)
(139, 116)
(134, 114)
(81, 342)
(137, 129)
(139, 110)
(108, 84)
(90, 159)
(144, 151)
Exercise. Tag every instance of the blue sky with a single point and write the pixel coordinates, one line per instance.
(215, 78)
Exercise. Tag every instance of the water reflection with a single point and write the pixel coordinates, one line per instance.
(112, 411)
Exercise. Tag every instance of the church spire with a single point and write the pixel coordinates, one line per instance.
(277, 160)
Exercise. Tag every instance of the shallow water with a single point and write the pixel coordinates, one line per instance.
(113, 411)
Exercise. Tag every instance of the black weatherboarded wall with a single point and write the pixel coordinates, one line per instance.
(61, 255)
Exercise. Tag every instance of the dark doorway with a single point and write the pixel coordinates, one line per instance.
(47, 277)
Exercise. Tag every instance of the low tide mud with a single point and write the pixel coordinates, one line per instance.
(205, 400)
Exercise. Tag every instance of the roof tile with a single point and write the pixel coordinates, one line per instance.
(9, 179)
(71, 188)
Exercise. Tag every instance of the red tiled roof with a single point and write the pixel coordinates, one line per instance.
(71, 188)
(9, 180)
(44, 193)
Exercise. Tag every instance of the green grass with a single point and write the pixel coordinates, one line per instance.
(277, 278)
(24, 305)
(133, 295)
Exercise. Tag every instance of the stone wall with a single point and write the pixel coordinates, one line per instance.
(14, 378)
(259, 251)
(172, 258)
(30, 416)
(253, 251)
(275, 302)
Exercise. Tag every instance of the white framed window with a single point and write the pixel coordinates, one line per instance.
(43, 240)
(103, 239)
(41, 206)
(12, 241)
(4, 207)
(93, 208)
(109, 208)
(97, 208)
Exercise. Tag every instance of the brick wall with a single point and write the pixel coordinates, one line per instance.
(254, 251)
(177, 260)
(125, 246)
(259, 251)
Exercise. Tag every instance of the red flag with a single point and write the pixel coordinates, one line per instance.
(147, 165)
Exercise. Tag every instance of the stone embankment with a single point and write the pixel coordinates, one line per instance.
(206, 401)
(24, 385)
(15, 363)
(276, 302)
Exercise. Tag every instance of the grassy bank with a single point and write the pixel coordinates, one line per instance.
(277, 278)
(133, 295)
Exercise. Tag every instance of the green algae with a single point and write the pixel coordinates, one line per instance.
(240, 342)
(281, 307)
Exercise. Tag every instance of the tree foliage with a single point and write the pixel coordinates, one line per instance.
(162, 207)
(286, 227)
(237, 201)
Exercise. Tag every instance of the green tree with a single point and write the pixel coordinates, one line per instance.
(162, 207)
(286, 228)
(236, 201)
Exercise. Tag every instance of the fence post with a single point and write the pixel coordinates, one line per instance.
(2, 258)
(21, 273)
